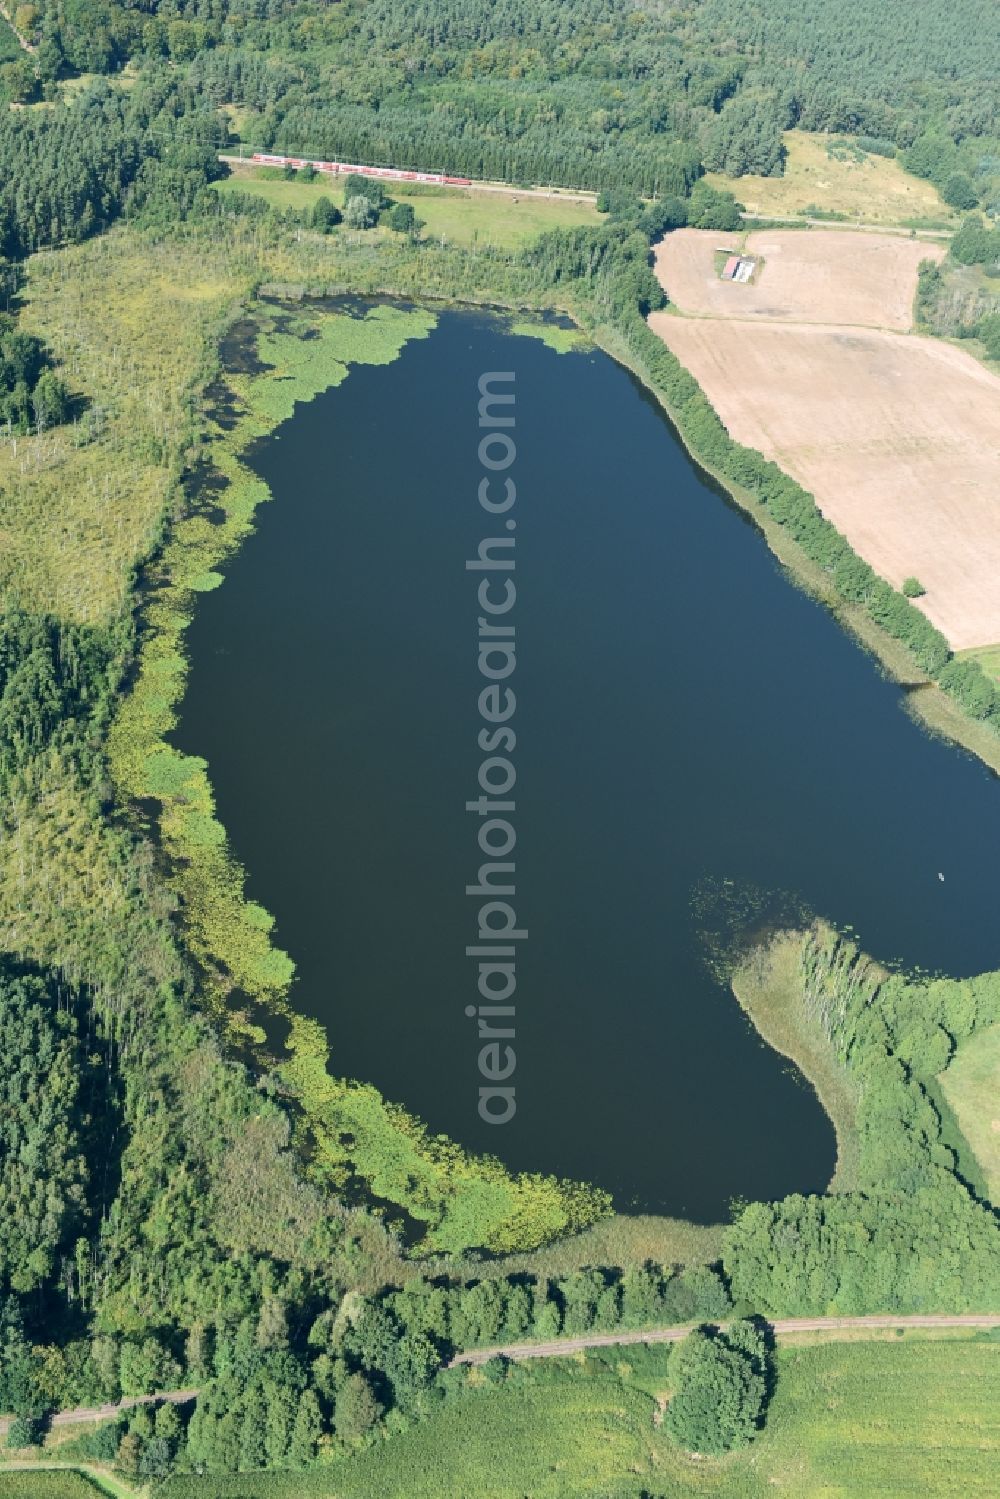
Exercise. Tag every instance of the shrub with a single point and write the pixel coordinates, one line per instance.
(959, 192)
(402, 218)
(974, 244)
(325, 214)
(931, 156)
(359, 213)
(100, 1445)
(24, 1431)
(711, 209)
(877, 145)
(719, 1392)
(663, 215)
(357, 186)
(989, 331)
(913, 588)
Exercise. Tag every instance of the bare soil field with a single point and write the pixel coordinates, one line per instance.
(898, 439)
(896, 436)
(821, 171)
(807, 275)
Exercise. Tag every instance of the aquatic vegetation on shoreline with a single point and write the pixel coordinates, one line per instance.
(351, 1133)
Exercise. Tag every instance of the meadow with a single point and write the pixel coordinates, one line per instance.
(822, 172)
(970, 1086)
(81, 504)
(907, 1415)
(456, 216)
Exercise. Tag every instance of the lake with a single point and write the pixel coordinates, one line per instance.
(688, 724)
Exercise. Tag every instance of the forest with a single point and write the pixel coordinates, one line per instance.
(588, 96)
(69, 173)
(172, 1213)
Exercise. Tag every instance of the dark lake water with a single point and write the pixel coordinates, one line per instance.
(684, 716)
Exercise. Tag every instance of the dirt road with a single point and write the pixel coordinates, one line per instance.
(786, 1327)
(856, 225)
(106, 1412)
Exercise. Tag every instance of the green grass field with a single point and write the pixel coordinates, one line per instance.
(850, 1420)
(48, 1485)
(462, 218)
(970, 1086)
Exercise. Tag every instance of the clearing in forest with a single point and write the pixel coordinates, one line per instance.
(970, 1086)
(896, 436)
(834, 175)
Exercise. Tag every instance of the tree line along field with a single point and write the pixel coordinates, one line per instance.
(463, 218)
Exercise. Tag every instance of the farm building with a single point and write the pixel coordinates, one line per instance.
(738, 268)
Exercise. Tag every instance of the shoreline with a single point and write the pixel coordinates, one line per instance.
(767, 986)
(932, 708)
(351, 1132)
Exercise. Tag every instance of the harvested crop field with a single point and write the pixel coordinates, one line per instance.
(896, 436)
(808, 275)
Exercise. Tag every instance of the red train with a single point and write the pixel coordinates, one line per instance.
(263, 158)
